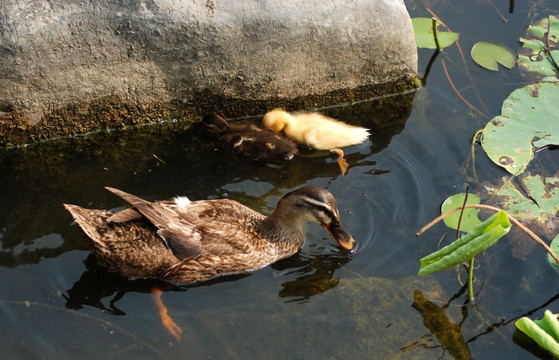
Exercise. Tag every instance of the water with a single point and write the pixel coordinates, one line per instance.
(321, 303)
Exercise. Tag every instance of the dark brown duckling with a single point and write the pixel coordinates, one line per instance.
(250, 140)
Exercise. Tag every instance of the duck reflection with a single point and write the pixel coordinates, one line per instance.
(314, 275)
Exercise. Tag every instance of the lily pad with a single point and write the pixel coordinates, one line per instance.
(528, 122)
(469, 217)
(424, 37)
(539, 52)
(532, 199)
(488, 54)
(555, 248)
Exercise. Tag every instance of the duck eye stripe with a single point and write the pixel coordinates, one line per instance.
(320, 205)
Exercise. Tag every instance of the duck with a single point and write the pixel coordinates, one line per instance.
(186, 241)
(316, 131)
(249, 140)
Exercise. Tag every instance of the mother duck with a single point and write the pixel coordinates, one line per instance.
(185, 241)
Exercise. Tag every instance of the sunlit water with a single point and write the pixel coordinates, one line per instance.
(321, 303)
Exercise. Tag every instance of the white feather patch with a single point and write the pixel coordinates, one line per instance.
(182, 201)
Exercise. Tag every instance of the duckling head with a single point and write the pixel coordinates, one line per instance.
(215, 123)
(276, 120)
(316, 204)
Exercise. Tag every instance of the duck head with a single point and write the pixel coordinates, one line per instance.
(215, 123)
(315, 204)
(276, 120)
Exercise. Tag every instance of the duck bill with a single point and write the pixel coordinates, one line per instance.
(338, 233)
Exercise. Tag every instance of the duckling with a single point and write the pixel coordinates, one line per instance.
(251, 141)
(316, 131)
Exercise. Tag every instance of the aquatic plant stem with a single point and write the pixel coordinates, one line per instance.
(473, 151)
(434, 25)
(458, 93)
(472, 83)
(534, 237)
(471, 280)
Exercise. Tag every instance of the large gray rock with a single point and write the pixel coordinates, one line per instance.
(70, 66)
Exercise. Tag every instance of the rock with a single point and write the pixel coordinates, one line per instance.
(71, 67)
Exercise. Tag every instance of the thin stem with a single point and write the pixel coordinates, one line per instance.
(471, 280)
(473, 149)
(458, 93)
(534, 237)
(462, 213)
(434, 25)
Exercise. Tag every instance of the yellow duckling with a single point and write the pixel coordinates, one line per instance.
(317, 131)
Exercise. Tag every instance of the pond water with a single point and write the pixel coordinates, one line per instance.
(322, 303)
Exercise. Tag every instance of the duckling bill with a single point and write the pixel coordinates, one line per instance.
(185, 241)
(316, 131)
(251, 141)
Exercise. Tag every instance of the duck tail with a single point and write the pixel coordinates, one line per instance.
(88, 220)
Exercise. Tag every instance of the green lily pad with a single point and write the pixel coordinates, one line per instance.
(555, 248)
(488, 54)
(539, 52)
(470, 217)
(528, 122)
(539, 211)
(424, 37)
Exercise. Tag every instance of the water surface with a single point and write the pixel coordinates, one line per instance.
(321, 303)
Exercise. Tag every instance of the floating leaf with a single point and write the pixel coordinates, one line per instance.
(470, 217)
(487, 54)
(424, 37)
(468, 246)
(528, 122)
(539, 52)
(544, 332)
(532, 199)
(555, 248)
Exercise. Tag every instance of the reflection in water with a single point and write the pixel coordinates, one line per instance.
(450, 335)
(437, 322)
(314, 275)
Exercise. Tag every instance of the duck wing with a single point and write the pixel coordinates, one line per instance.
(197, 228)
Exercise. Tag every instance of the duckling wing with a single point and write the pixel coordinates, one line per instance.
(321, 132)
(258, 144)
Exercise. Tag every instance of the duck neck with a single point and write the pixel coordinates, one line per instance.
(281, 229)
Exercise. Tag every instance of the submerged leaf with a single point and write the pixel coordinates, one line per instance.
(488, 54)
(468, 246)
(528, 122)
(424, 37)
(543, 332)
(469, 217)
(539, 52)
